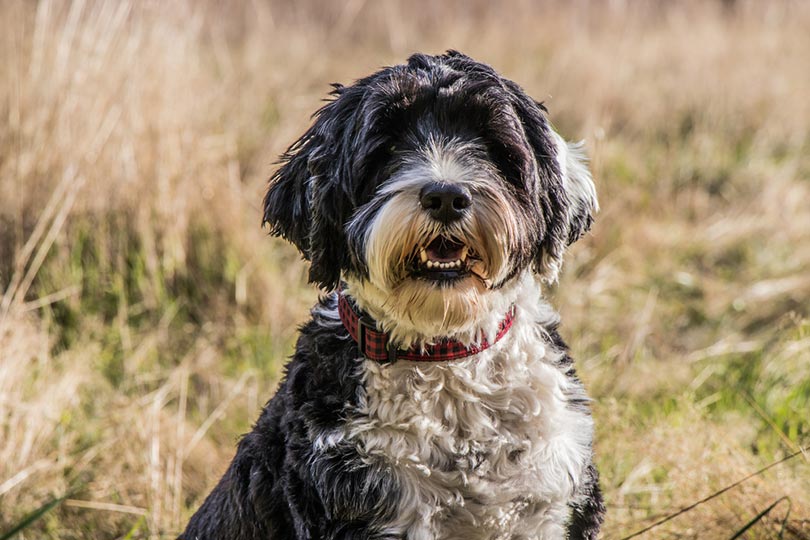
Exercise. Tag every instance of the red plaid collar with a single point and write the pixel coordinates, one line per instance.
(375, 344)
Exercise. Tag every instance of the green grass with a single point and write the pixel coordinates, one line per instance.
(158, 314)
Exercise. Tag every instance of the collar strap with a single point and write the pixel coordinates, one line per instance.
(375, 345)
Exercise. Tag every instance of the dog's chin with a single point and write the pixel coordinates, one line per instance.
(441, 290)
(423, 307)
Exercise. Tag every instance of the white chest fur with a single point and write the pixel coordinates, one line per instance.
(483, 448)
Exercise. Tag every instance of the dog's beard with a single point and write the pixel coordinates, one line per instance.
(427, 279)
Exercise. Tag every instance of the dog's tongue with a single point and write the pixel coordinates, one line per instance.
(444, 250)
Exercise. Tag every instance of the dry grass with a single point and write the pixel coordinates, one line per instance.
(144, 316)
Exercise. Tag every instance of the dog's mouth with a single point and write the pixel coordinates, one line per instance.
(444, 259)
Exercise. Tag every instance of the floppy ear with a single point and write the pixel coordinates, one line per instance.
(565, 192)
(286, 204)
(309, 198)
(579, 186)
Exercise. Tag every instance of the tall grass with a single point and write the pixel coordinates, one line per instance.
(145, 316)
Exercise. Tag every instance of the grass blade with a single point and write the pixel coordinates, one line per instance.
(32, 517)
(762, 515)
(135, 528)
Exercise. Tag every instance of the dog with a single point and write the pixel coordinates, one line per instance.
(430, 395)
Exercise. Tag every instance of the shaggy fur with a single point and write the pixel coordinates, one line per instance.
(493, 446)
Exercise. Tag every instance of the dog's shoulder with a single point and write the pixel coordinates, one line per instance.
(321, 381)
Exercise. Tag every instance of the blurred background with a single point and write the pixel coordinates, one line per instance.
(145, 316)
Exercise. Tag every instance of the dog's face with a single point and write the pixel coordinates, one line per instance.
(430, 187)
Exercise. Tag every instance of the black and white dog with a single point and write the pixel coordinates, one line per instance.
(430, 395)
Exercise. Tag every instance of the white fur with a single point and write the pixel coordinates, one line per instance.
(417, 310)
(577, 179)
(579, 187)
(485, 447)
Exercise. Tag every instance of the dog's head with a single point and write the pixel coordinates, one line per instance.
(429, 188)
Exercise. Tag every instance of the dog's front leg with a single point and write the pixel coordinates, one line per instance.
(229, 512)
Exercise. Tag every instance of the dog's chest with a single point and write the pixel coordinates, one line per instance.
(484, 448)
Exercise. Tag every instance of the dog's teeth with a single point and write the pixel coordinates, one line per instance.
(423, 255)
(464, 253)
(458, 263)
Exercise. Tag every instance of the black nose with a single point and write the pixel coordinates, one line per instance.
(445, 202)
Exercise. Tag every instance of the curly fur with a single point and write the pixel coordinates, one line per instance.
(495, 446)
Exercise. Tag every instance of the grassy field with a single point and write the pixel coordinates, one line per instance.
(145, 315)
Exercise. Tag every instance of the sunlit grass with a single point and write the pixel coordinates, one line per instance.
(145, 316)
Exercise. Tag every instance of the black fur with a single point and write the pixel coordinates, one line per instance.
(360, 136)
(280, 485)
(588, 512)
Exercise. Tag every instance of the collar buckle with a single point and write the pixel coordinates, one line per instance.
(366, 324)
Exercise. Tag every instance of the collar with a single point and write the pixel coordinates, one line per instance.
(376, 345)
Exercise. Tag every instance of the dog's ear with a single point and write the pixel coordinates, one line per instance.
(565, 191)
(578, 185)
(286, 204)
(309, 198)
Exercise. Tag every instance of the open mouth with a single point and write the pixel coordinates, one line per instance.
(443, 259)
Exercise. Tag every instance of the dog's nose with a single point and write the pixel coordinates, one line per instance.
(445, 202)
